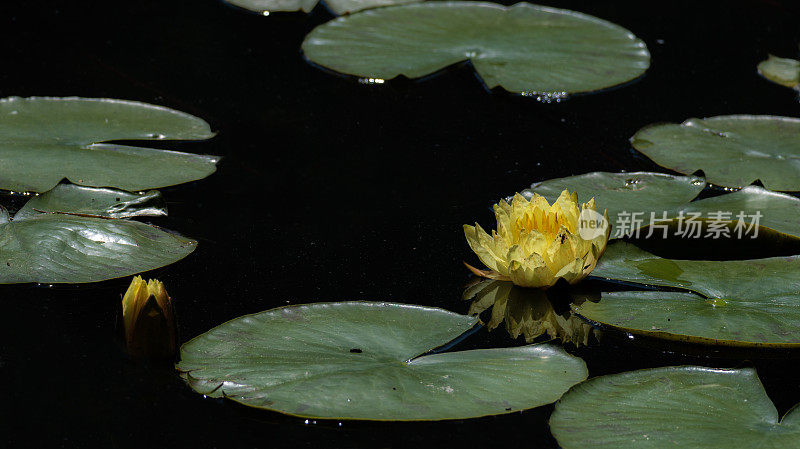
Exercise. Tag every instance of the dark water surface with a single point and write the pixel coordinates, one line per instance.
(333, 190)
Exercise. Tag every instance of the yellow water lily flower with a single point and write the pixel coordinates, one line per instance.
(536, 244)
(149, 319)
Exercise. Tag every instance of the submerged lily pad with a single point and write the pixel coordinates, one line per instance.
(51, 245)
(625, 193)
(525, 311)
(96, 201)
(524, 48)
(338, 7)
(44, 140)
(732, 150)
(687, 317)
(362, 360)
(685, 406)
(783, 71)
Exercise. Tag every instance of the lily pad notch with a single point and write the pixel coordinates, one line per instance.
(44, 140)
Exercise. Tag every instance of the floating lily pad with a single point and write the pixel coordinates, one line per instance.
(783, 71)
(338, 7)
(755, 206)
(524, 48)
(44, 140)
(752, 302)
(771, 279)
(525, 311)
(732, 150)
(362, 360)
(625, 193)
(686, 406)
(690, 318)
(58, 247)
(96, 201)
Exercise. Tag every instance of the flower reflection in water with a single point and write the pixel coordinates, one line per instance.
(529, 312)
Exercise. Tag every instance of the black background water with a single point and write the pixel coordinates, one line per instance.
(334, 190)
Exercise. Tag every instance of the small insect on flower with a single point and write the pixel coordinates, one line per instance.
(149, 320)
(537, 244)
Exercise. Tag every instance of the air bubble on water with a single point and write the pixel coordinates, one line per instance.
(546, 97)
(371, 80)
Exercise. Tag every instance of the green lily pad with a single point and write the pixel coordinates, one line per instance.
(624, 193)
(96, 201)
(783, 71)
(362, 360)
(753, 205)
(338, 7)
(690, 318)
(732, 150)
(59, 247)
(681, 407)
(749, 303)
(773, 278)
(44, 140)
(525, 48)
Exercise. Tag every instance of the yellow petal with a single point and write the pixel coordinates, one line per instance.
(562, 250)
(566, 210)
(502, 213)
(572, 272)
(531, 272)
(484, 247)
(531, 242)
(148, 319)
(132, 303)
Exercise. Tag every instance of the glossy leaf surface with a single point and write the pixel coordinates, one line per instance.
(44, 140)
(687, 317)
(524, 48)
(99, 201)
(732, 150)
(683, 406)
(361, 360)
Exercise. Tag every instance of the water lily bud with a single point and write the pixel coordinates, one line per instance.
(148, 319)
(537, 244)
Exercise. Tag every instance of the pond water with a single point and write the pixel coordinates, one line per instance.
(332, 190)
